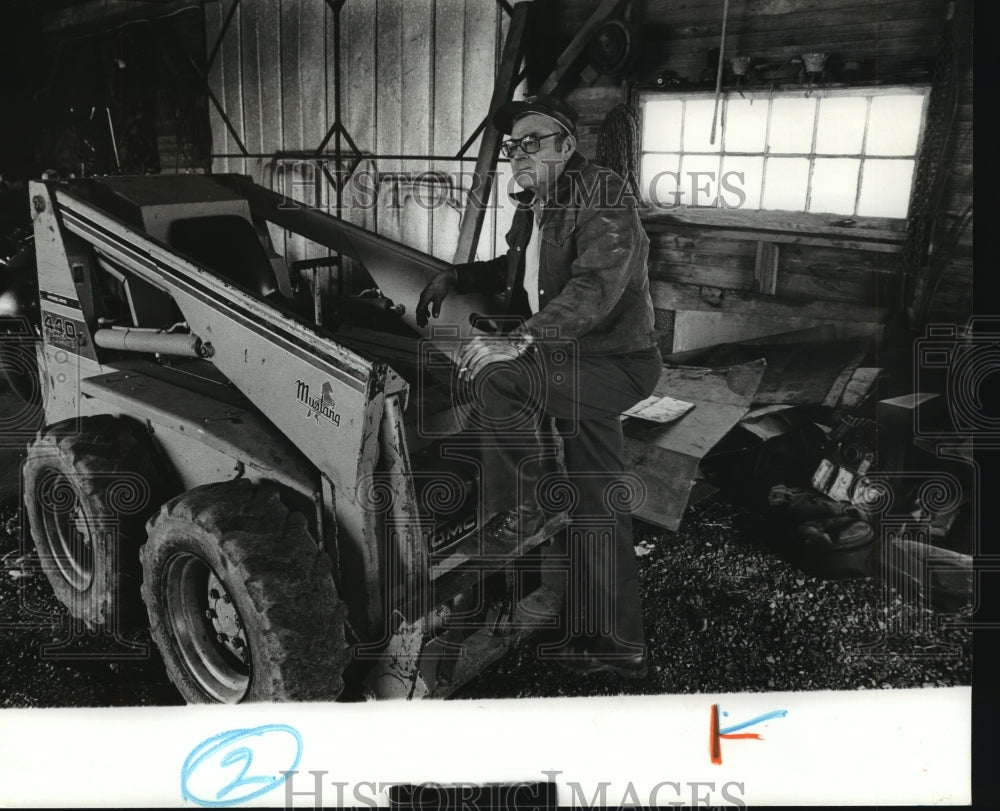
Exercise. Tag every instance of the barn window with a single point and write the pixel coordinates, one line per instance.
(849, 152)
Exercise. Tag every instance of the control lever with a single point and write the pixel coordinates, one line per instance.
(483, 323)
(495, 323)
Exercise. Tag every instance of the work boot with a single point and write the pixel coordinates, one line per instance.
(587, 659)
(523, 526)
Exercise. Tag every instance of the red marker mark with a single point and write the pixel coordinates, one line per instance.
(714, 744)
(716, 733)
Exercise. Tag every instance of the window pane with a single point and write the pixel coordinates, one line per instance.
(792, 125)
(894, 125)
(885, 188)
(841, 126)
(661, 180)
(698, 126)
(746, 125)
(700, 180)
(785, 182)
(834, 185)
(732, 185)
(661, 124)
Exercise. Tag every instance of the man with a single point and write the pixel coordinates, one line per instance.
(576, 272)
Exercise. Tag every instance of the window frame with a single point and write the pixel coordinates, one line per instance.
(886, 228)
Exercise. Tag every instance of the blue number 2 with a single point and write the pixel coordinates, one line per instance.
(204, 759)
(235, 756)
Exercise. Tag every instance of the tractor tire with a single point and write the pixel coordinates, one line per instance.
(89, 487)
(241, 601)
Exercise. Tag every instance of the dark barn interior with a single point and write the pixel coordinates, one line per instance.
(795, 313)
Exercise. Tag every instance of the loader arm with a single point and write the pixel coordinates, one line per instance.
(401, 272)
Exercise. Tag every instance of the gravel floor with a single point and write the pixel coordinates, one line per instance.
(723, 613)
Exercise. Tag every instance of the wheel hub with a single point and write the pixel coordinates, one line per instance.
(206, 628)
(68, 530)
(225, 619)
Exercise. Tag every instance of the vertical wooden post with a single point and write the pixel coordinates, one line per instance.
(765, 272)
(489, 148)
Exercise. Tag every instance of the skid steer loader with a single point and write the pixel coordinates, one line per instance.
(273, 472)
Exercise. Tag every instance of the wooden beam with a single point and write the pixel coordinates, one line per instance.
(489, 148)
(100, 15)
(740, 234)
(689, 297)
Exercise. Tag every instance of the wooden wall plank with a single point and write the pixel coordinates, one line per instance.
(729, 278)
(449, 41)
(448, 104)
(269, 39)
(764, 13)
(232, 67)
(388, 136)
(359, 100)
(291, 84)
(250, 13)
(290, 175)
(688, 297)
(414, 123)
(269, 79)
(479, 59)
(312, 72)
(700, 243)
(705, 19)
(741, 261)
(221, 138)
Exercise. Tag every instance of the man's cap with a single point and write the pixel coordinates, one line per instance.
(507, 114)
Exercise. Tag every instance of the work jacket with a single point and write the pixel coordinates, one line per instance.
(593, 284)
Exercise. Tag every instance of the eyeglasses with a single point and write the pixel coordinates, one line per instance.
(529, 144)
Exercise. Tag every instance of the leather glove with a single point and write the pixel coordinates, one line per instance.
(479, 352)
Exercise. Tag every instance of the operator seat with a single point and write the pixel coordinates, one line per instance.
(229, 245)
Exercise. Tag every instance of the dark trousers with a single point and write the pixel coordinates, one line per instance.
(584, 396)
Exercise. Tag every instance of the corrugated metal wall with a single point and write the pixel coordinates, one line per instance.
(416, 79)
